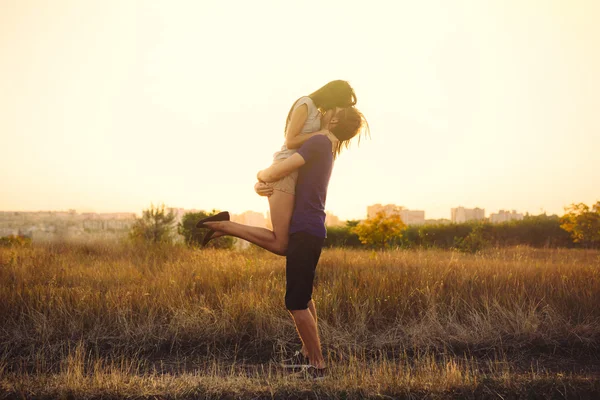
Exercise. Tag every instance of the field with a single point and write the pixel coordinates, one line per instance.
(123, 321)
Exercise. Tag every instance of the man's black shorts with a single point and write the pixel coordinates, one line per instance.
(302, 257)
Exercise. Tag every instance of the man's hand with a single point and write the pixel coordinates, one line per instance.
(262, 189)
(281, 169)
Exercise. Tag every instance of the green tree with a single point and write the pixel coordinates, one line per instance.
(380, 230)
(351, 223)
(193, 236)
(342, 236)
(155, 226)
(15, 241)
(583, 224)
(475, 241)
(441, 236)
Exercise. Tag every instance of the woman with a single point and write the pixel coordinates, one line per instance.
(328, 111)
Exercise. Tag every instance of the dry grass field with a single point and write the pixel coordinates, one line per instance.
(123, 321)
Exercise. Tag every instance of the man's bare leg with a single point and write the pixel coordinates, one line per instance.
(307, 329)
(281, 205)
(313, 311)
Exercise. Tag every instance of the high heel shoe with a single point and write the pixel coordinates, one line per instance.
(207, 237)
(222, 216)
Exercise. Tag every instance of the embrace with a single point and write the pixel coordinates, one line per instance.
(317, 127)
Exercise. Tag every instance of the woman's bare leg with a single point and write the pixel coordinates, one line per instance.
(281, 205)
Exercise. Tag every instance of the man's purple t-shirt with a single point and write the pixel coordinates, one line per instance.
(311, 187)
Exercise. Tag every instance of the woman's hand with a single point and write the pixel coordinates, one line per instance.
(326, 118)
(332, 137)
(262, 189)
(334, 140)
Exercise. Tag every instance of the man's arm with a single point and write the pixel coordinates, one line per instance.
(277, 171)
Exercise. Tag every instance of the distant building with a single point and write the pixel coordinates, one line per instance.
(52, 225)
(9, 232)
(332, 220)
(409, 217)
(505, 216)
(461, 214)
(251, 218)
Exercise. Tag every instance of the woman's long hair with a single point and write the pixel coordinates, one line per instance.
(337, 93)
(350, 123)
(334, 94)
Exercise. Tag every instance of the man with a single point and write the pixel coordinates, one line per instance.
(314, 161)
(306, 233)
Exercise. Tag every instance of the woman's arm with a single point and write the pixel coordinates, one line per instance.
(293, 138)
(298, 141)
(294, 127)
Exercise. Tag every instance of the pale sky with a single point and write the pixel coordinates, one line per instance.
(108, 106)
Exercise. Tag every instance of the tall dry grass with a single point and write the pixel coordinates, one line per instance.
(83, 316)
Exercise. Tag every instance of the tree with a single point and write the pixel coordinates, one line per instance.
(193, 236)
(476, 240)
(380, 230)
(155, 225)
(15, 241)
(583, 224)
(351, 223)
(341, 236)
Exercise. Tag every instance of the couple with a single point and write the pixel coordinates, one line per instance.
(317, 127)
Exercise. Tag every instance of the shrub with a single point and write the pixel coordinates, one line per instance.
(15, 241)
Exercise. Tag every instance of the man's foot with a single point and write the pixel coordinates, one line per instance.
(222, 216)
(313, 373)
(297, 361)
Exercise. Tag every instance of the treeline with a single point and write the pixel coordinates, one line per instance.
(534, 231)
(579, 227)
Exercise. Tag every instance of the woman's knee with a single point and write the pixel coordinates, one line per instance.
(281, 246)
(280, 250)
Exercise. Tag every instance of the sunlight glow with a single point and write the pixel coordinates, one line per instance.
(108, 106)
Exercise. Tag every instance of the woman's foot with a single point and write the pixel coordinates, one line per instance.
(211, 234)
(222, 216)
(208, 237)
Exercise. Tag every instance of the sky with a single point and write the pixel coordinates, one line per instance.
(112, 105)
